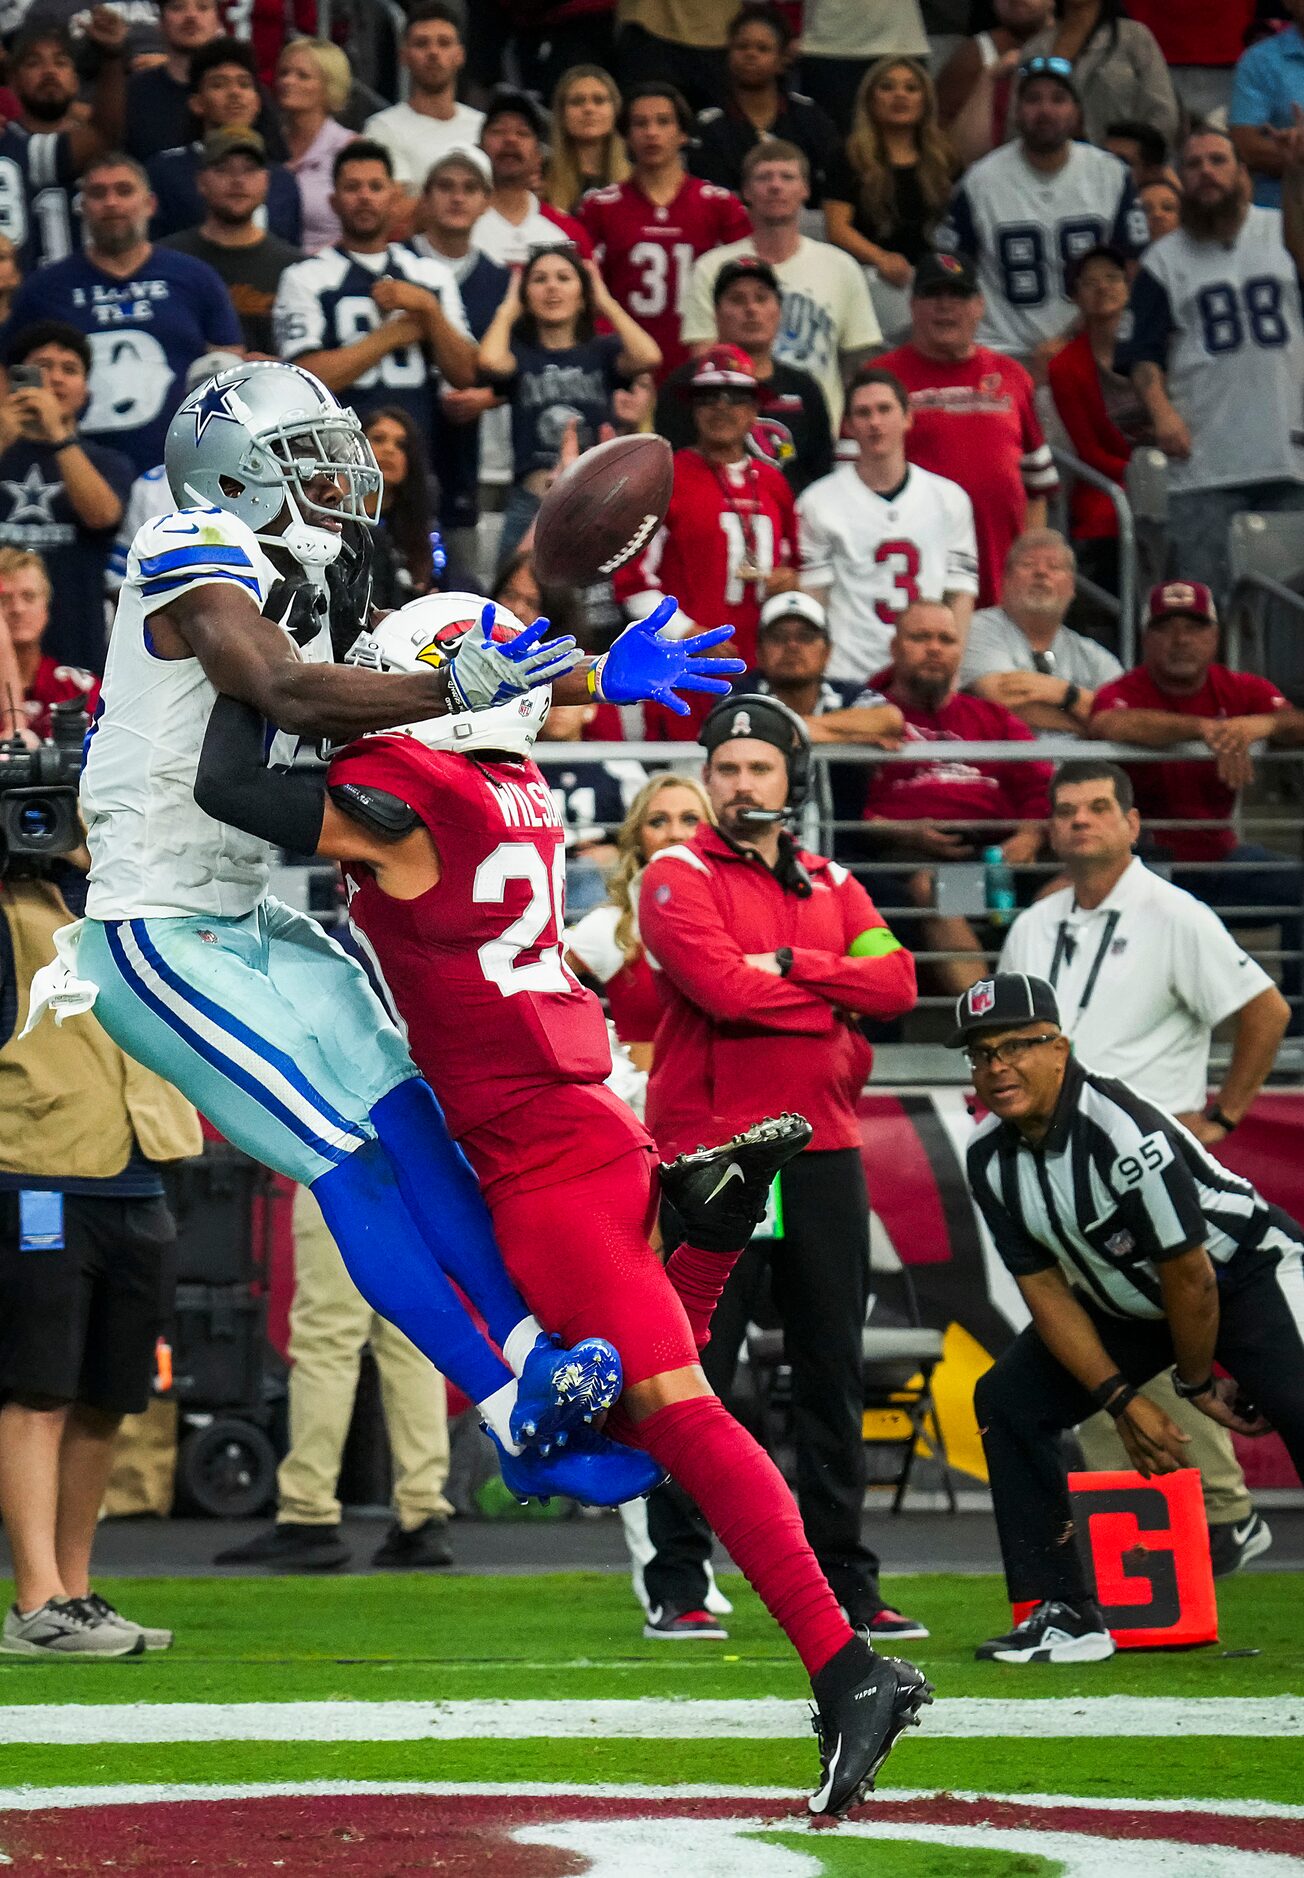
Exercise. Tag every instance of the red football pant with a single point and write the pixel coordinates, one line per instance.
(579, 1254)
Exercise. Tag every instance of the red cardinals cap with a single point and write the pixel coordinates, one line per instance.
(724, 368)
(1190, 597)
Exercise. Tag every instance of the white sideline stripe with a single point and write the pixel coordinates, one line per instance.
(142, 1793)
(644, 1719)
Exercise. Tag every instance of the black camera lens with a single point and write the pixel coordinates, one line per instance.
(38, 819)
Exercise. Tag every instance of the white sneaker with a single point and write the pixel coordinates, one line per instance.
(66, 1627)
(154, 1639)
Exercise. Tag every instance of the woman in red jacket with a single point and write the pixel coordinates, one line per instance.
(1098, 408)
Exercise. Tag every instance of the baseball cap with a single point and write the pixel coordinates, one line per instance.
(752, 714)
(509, 98)
(794, 606)
(943, 273)
(220, 144)
(466, 154)
(1191, 597)
(726, 368)
(747, 267)
(1049, 65)
(997, 1003)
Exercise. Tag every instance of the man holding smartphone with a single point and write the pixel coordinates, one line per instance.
(60, 497)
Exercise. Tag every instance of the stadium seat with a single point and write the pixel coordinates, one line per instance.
(1266, 557)
(899, 1365)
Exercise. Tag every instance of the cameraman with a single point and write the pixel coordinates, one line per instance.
(86, 1245)
(59, 497)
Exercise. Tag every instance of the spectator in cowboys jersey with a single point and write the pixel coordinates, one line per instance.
(361, 314)
(60, 497)
(792, 426)
(649, 230)
(878, 534)
(147, 313)
(973, 415)
(1135, 1251)
(1025, 212)
(43, 151)
(829, 327)
(456, 195)
(224, 95)
(1214, 343)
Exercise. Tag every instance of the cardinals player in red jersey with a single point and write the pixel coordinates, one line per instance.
(649, 230)
(453, 855)
(729, 539)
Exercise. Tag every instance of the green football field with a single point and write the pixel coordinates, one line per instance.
(535, 1699)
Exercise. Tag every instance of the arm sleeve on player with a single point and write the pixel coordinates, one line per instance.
(874, 975)
(298, 322)
(1147, 326)
(698, 325)
(234, 785)
(191, 548)
(683, 931)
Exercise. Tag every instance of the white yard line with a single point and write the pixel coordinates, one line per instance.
(644, 1719)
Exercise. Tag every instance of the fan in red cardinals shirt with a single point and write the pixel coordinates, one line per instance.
(649, 230)
(729, 539)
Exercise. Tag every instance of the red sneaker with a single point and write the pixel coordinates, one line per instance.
(670, 1621)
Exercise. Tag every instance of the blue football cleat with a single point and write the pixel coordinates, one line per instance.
(590, 1468)
(561, 1390)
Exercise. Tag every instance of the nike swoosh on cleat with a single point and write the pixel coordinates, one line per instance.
(731, 1172)
(821, 1799)
(1241, 1533)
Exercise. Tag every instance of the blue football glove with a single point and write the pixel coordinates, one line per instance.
(642, 665)
(484, 671)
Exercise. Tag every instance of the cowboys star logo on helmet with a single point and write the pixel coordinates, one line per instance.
(215, 402)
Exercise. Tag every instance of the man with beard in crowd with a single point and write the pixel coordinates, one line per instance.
(1214, 343)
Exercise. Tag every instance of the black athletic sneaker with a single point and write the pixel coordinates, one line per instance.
(287, 1547)
(425, 1546)
(1233, 1543)
(676, 1622)
(858, 1731)
(1053, 1633)
(718, 1195)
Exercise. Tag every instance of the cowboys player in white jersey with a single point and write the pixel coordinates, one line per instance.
(249, 1007)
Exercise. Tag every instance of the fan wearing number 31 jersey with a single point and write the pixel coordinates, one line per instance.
(649, 230)
(878, 533)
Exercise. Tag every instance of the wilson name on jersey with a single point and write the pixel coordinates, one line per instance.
(476, 964)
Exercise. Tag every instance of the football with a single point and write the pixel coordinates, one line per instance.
(602, 510)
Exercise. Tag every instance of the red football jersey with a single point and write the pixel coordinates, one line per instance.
(53, 683)
(724, 531)
(975, 423)
(475, 965)
(646, 251)
(1189, 792)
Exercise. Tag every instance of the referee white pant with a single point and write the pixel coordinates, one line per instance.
(1026, 1400)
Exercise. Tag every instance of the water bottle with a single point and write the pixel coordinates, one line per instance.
(999, 880)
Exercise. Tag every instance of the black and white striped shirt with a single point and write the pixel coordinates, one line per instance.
(1114, 1189)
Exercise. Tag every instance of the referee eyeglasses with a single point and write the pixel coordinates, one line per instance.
(1011, 1052)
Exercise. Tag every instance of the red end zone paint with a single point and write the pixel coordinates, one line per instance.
(469, 1837)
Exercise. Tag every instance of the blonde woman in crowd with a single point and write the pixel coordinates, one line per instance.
(313, 81)
(903, 168)
(605, 945)
(587, 152)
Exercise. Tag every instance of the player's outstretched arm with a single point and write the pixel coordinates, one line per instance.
(249, 658)
(486, 671)
(642, 665)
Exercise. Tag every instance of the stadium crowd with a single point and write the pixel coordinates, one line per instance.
(905, 283)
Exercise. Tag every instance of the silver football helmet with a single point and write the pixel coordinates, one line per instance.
(253, 439)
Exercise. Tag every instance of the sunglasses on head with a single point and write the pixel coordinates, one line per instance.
(1046, 65)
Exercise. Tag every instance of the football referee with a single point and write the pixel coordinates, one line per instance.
(1134, 1250)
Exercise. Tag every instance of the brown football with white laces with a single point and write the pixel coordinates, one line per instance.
(603, 510)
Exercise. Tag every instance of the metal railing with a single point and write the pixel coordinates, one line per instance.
(1123, 605)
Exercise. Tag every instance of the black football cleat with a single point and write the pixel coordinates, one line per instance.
(717, 1196)
(858, 1731)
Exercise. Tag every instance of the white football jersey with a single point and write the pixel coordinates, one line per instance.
(875, 554)
(1224, 325)
(1024, 228)
(154, 853)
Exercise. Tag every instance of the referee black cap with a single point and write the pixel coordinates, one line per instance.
(997, 1003)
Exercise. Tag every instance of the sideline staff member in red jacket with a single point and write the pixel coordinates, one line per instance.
(769, 955)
